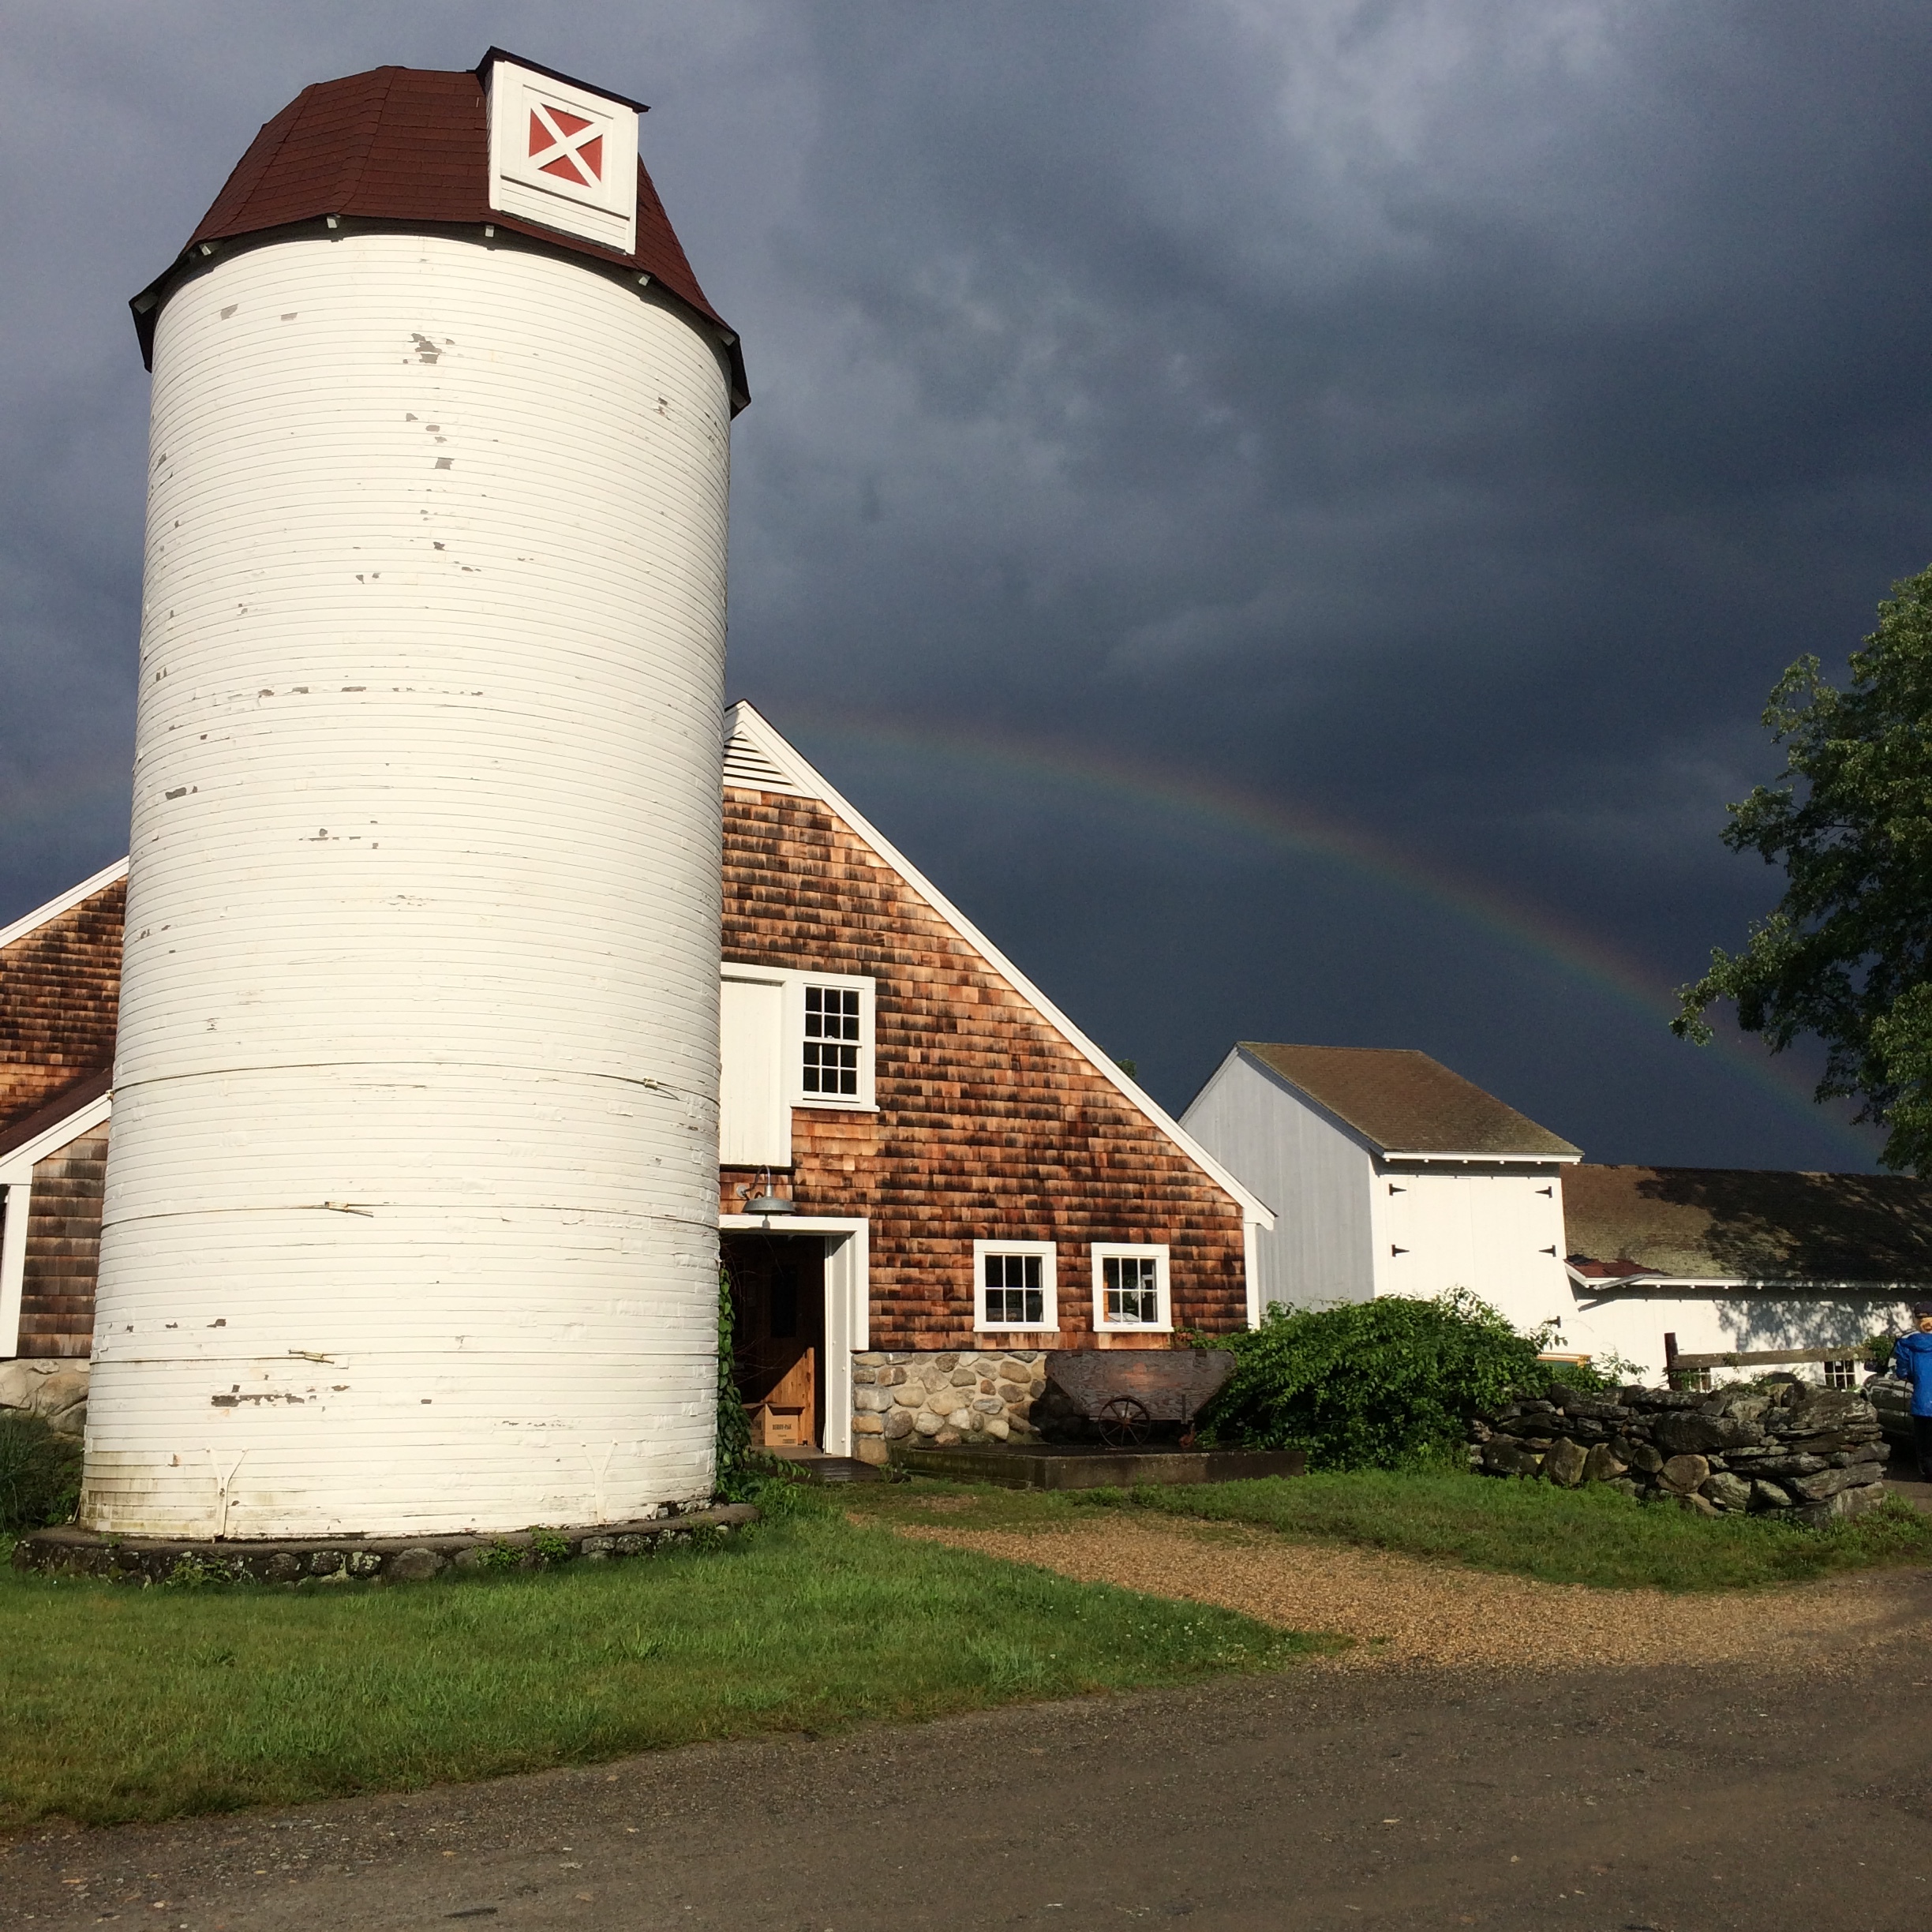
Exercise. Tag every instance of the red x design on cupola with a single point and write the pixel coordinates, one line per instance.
(558, 147)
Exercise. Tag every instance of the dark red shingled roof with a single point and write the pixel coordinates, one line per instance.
(408, 144)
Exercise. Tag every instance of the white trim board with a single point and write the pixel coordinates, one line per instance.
(18, 1166)
(66, 902)
(17, 1180)
(743, 719)
(847, 1302)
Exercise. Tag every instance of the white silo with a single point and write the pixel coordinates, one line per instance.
(412, 1202)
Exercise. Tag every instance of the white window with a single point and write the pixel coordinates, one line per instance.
(787, 1040)
(1130, 1287)
(829, 1034)
(1014, 1285)
(830, 1065)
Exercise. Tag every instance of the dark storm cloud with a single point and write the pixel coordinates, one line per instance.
(1450, 416)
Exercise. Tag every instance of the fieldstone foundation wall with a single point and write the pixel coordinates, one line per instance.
(1788, 1449)
(144, 1560)
(55, 1387)
(956, 1396)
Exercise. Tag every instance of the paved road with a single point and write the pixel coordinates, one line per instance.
(1683, 1801)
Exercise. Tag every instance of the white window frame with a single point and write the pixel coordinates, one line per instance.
(1049, 1322)
(1104, 1251)
(793, 1076)
(862, 1102)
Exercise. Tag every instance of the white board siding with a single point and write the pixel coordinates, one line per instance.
(1732, 1317)
(1316, 1179)
(1496, 1231)
(754, 1107)
(418, 1051)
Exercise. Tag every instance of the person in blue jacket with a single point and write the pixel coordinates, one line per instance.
(1911, 1361)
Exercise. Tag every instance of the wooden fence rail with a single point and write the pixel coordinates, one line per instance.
(1758, 1358)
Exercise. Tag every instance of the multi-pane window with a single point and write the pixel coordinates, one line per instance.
(1132, 1289)
(1014, 1285)
(1130, 1286)
(1015, 1292)
(832, 1040)
(1842, 1375)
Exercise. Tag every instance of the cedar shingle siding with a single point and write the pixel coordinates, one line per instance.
(60, 993)
(989, 1123)
(63, 1249)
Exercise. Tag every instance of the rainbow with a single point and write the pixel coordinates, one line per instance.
(1216, 809)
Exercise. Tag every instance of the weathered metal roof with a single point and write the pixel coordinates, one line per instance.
(409, 145)
(1401, 1102)
(1748, 1224)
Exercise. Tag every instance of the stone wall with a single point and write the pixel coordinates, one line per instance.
(953, 1396)
(1779, 1448)
(56, 1389)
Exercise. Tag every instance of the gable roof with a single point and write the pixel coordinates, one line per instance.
(1402, 1103)
(1747, 1224)
(410, 145)
(60, 986)
(758, 757)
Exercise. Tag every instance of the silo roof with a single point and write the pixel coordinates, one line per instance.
(411, 145)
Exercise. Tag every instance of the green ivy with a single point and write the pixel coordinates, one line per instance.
(1390, 1383)
(734, 1479)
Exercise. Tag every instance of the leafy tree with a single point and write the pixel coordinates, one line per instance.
(1390, 1383)
(1847, 954)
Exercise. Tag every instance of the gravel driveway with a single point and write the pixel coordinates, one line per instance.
(1404, 1612)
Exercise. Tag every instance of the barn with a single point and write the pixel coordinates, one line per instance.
(1392, 1174)
(927, 1175)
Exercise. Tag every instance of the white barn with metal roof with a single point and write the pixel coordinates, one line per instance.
(1389, 1174)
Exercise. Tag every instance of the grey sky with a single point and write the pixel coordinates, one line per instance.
(1288, 512)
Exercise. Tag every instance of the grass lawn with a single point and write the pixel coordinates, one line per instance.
(1527, 1528)
(123, 1704)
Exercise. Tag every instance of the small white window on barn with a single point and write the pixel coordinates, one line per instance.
(830, 1062)
(1014, 1285)
(1130, 1287)
(829, 1018)
(786, 1039)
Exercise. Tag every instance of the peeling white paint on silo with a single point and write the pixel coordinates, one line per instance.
(412, 1205)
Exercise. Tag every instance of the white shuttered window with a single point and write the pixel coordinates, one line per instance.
(788, 1039)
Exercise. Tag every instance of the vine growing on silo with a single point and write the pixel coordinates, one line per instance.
(735, 1478)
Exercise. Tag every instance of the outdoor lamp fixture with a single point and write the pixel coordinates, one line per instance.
(767, 1202)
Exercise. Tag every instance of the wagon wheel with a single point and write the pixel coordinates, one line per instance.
(1124, 1422)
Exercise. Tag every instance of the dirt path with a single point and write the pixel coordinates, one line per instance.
(1682, 1800)
(1404, 1612)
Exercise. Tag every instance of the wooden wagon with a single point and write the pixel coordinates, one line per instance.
(1124, 1392)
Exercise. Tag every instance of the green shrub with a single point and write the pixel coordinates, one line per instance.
(1384, 1384)
(39, 1473)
